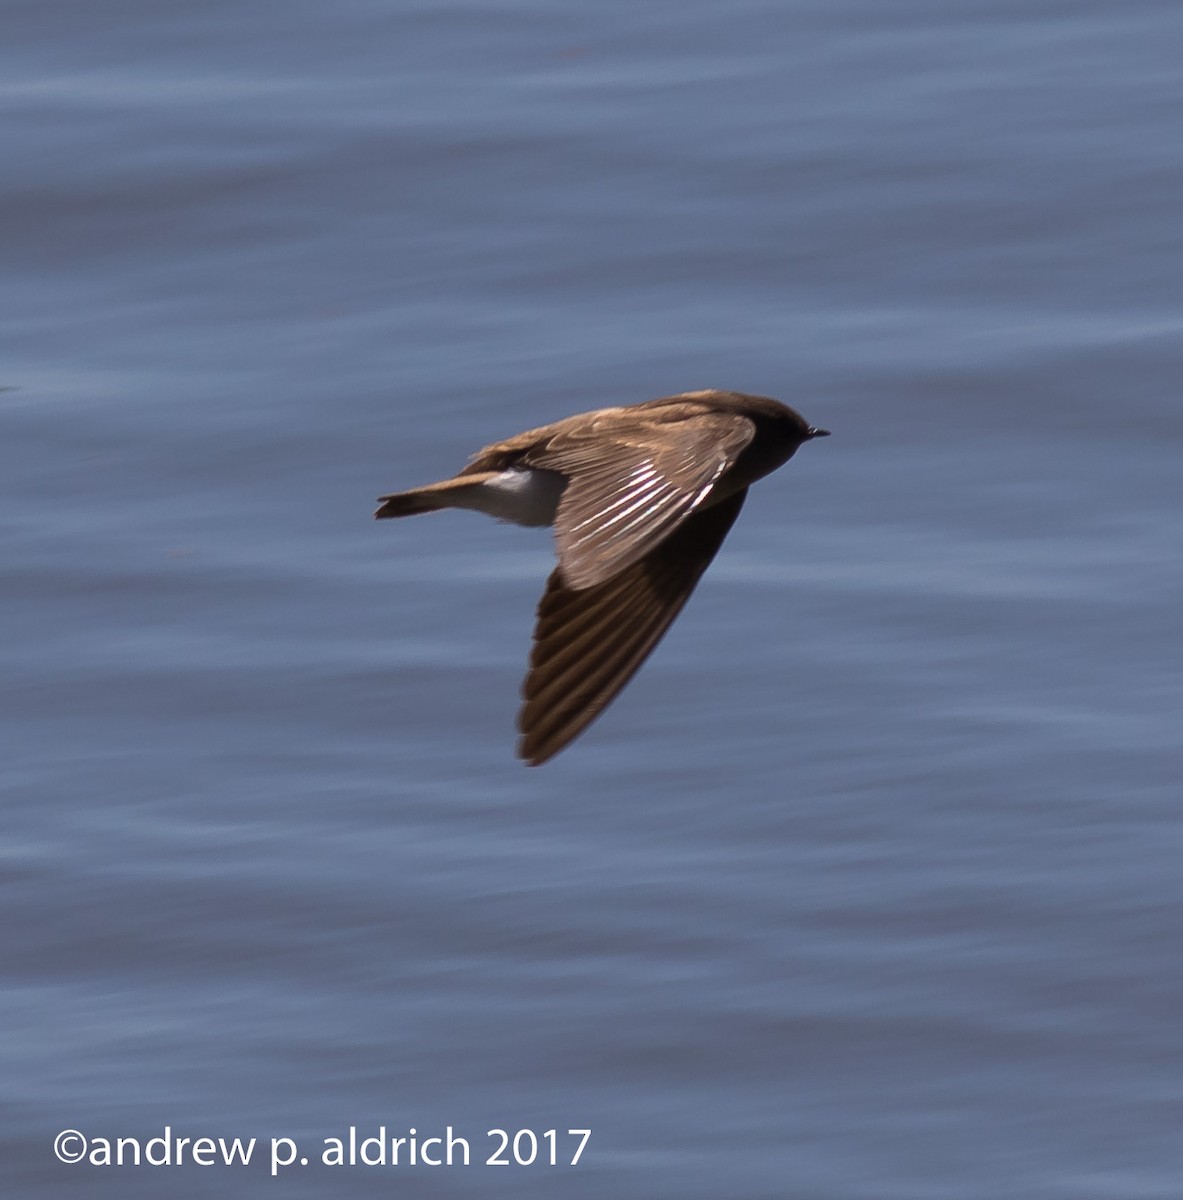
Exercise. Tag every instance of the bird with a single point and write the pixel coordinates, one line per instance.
(640, 498)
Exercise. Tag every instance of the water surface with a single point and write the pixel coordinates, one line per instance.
(869, 884)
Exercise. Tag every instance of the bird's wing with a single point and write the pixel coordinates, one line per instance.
(631, 483)
(588, 643)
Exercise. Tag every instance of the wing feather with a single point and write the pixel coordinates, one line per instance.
(628, 490)
(589, 642)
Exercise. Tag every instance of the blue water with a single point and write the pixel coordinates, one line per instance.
(869, 885)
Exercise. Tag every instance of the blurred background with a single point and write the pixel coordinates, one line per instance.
(869, 884)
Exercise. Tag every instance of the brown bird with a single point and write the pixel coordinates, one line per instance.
(641, 499)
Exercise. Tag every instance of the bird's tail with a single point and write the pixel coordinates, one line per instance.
(448, 493)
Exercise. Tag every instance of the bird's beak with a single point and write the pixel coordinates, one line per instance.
(815, 432)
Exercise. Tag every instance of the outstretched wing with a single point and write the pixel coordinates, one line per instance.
(589, 642)
(630, 487)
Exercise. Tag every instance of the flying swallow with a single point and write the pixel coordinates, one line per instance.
(640, 499)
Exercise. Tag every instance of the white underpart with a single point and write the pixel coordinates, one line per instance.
(523, 495)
